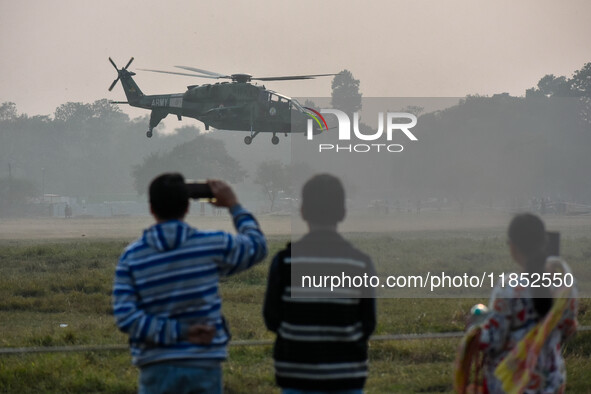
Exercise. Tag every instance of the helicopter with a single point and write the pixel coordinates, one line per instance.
(236, 105)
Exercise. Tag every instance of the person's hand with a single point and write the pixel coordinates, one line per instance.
(223, 194)
(201, 334)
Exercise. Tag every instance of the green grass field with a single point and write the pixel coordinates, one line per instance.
(45, 284)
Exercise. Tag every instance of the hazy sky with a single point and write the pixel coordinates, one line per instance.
(56, 51)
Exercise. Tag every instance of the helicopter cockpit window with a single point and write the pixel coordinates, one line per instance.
(296, 104)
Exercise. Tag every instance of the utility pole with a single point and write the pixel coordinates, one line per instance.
(43, 182)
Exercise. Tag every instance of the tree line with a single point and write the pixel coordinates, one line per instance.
(95, 152)
(481, 148)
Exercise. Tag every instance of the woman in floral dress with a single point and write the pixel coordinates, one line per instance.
(522, 337)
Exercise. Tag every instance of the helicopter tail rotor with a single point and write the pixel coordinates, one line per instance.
(119, 72)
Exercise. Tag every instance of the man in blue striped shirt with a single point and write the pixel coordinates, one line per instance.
(166, 296)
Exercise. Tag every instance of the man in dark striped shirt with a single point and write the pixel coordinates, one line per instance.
(166, 296)
(322, 332)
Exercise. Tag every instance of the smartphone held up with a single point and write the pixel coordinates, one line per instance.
(199, 191)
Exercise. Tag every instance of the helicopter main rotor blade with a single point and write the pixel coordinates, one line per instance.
(177, 73)
(199, 70)
(292, 77)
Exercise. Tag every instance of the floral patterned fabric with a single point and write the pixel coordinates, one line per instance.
(512, 317)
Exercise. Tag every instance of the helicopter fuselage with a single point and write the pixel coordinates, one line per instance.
(240, 106)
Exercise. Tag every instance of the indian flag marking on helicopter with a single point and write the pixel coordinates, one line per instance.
(316, 119)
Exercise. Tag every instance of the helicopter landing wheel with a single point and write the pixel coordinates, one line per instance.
(247, 140)
(275, 140)
(149, 133)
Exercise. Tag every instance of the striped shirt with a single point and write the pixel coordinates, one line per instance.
(321, 338)
(168, 280)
